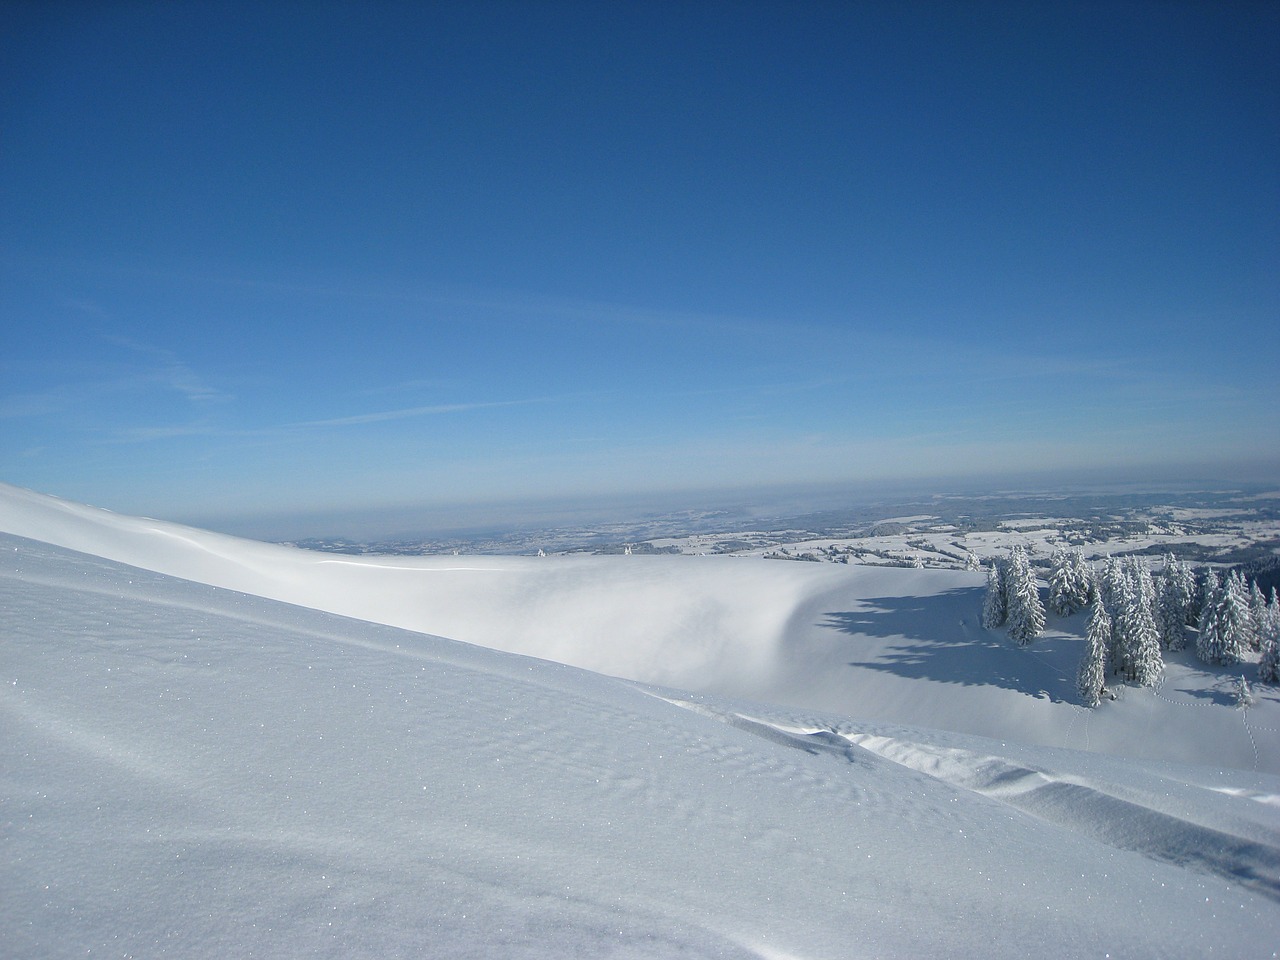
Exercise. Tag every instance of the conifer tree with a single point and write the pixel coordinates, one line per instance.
(1224, 621)
(1170, 618)
(1269, 640)
(1180, 575)
(1233, 620)
(1141, 643)
(1082, 579)
(1060, 594)
(1069, 582)
(1112, 586)
(1257, 616)
(1024, 611)
(993, 605)
(1244, 694)
(1092, 672)
(1174, 603)
(1122, 613)
(1208, 642)
(1184, 577)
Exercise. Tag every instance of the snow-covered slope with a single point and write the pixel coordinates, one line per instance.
(191, 772)
(877, 643)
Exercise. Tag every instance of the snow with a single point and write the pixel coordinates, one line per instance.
(192, 768)
(879, 643)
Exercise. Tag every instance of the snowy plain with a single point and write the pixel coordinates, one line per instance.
(214, 747)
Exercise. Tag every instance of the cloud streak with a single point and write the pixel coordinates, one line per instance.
(171, 373)
(208, 428)
(406, 413)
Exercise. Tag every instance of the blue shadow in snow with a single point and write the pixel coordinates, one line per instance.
(940, 638)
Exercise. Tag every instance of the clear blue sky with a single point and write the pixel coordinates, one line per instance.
(259, 258)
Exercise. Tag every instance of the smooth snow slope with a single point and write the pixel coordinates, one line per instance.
(191, 772)
(876, 643)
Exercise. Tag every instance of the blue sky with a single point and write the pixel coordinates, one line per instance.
(269, 258)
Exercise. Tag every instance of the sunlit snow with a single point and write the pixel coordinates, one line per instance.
(211, 749)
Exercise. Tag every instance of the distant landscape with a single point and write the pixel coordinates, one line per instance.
(1217, 526)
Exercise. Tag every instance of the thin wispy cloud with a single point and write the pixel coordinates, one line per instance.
(405, 387)
(209, 428)
(167, 370)
(161, 370)
(406, 413)
(174, 432)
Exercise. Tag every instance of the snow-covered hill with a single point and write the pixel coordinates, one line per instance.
(191, 771)
(877, 643)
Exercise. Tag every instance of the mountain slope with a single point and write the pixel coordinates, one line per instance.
(878, 643)
(193, 772)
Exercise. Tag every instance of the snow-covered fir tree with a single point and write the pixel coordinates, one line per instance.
(1059, 584)
(1140, 573)
(971, 561)
(1111, 584)
(993, 606)
(1082, 574)
(1024, 612)
(1169, 617)
(1140, 644)
(1182, 578)
(1174, 592)
(1121, 610)
(1234, 622)
(1069, 582)
(1244, 694)
(1224, 621)
(1257, 616)
(1091, 675)
(1269, 641)
(1208, 643)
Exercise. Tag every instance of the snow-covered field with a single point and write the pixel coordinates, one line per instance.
(220, 748)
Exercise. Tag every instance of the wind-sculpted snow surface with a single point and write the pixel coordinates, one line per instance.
(878, 643)
(191, 772)
(639, 617)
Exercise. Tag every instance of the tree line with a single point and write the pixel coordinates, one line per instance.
(1136, 616)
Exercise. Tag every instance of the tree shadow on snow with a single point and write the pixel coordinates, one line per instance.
(940, 638)
(1214, 682)
(1222, 697)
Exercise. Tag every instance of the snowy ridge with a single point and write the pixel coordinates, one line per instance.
(195, 772)
(668, 622)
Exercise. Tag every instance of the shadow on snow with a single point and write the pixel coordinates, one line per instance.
(940, 638)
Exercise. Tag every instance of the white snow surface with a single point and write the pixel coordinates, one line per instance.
(874, 642)
(191, 768)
